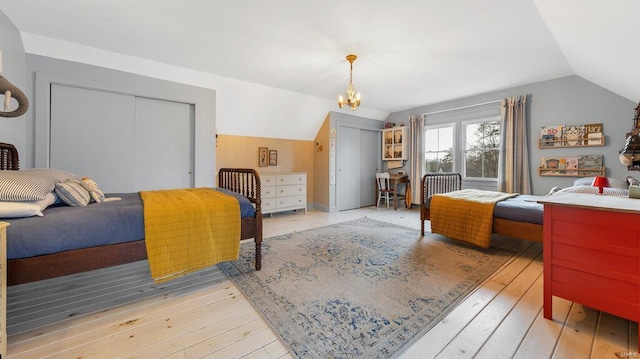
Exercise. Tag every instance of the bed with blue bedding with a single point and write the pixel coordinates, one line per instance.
(67, 240)
(518, 217)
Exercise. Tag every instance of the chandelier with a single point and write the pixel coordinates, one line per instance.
(353, 98)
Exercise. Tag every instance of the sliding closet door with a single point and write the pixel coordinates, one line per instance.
(369, 150)
(125, 143)
(164, 156)
(92, 135)
(357, 155)
(348, 181)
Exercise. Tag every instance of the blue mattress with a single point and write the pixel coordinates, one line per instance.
(521, 208)
(64, 228)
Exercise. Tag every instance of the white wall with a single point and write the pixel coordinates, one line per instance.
(242, 108)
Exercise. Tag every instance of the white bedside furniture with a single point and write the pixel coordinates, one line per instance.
(283, 191)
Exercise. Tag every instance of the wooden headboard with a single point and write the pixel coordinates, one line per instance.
(9, 157)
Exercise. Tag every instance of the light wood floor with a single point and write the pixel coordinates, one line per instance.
(119, 313)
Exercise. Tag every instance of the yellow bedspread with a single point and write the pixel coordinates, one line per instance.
(465, 215)
(189, 229)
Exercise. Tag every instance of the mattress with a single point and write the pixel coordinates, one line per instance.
(521, 208)
(64, 228)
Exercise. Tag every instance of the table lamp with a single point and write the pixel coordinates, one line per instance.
(600, 182)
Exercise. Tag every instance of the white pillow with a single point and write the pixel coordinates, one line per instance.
(19, 210)
(607, 191)
(48, 200)
(613, 182)
(31, 184)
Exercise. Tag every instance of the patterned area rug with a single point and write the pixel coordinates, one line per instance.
(359, 289)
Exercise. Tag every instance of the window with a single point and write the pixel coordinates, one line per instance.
(481, 148)
(438, 144)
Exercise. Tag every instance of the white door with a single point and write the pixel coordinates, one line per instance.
(369, 159)
(163, 152)
(92, 135)
(348, 180)
(357, 156)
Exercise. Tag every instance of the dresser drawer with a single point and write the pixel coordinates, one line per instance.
(267, 180)
(292, 190)
(268, 192)
(293, 201)
(268, 204)
(291, 178)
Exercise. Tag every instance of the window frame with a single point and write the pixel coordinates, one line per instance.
(453, 127)
(463, 147)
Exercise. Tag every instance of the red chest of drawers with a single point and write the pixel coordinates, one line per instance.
(591, 252)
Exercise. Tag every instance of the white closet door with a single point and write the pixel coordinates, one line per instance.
(92, 135)
(164, 154)
(369, 141)
(348, 184)
(357, 166)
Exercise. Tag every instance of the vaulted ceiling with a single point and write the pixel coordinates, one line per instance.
(410, 52)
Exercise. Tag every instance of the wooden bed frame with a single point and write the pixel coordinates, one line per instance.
(8, 157)
(240, 180)
(434, 183)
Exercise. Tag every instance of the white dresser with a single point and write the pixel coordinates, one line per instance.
(3, 289)
(283, 191)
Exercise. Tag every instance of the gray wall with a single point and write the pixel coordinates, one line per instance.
(570, 100)
(14, 130)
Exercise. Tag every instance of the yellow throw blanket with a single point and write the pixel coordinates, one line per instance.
(189, 229)
(465, 215)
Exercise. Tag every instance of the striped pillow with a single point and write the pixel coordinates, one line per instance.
(31, 184)
(72, 193)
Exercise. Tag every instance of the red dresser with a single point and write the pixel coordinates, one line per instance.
(591, 252)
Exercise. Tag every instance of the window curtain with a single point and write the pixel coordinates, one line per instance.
(416, 153)
(514, 175)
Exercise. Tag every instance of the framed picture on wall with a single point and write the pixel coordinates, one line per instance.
(273, 158)
(263, 156)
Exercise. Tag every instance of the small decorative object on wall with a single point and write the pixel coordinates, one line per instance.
(577, 166)
(593, 133)
(571, 136)
(273, 158)
(9, 90)
(551, 135)
(630, 153)
(263, 156)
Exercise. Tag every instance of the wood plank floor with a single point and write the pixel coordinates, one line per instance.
(119, 313)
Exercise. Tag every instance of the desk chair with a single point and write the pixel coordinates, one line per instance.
(384, 190)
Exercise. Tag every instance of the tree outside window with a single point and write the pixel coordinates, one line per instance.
(438, 146)
(482, 149)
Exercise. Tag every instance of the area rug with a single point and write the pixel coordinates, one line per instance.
(359, 289)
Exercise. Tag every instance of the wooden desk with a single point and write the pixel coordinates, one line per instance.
(591, 252)
(395, 179)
